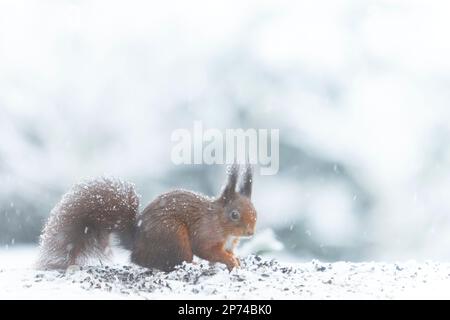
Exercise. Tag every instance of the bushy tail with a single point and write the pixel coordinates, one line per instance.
(80, 225)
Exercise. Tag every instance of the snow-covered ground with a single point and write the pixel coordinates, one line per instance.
(259, 278)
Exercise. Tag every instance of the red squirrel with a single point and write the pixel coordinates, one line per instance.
(173, 228)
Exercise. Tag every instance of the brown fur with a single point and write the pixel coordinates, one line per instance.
(173, 228)
(80, 224)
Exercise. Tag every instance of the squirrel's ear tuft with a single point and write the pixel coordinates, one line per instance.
(245, 187)
(230, 187)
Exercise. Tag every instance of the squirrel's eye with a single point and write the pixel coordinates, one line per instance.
(235, 215)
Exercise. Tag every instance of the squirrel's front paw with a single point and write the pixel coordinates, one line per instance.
(233, 263)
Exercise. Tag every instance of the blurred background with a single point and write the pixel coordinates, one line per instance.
(359, 91)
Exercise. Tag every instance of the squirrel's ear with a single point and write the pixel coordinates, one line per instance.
(230, 187)
(245, 187)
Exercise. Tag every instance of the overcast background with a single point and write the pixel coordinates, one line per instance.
(359, 91)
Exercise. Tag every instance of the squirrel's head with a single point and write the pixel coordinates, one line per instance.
(239, 215)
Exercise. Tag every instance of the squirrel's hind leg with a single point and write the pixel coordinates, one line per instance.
(166, 247)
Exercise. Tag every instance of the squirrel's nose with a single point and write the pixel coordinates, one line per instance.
(250, 232)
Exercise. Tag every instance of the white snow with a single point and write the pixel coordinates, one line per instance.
(259, 278)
